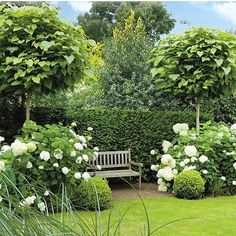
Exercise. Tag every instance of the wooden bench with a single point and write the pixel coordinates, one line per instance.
(118, 163)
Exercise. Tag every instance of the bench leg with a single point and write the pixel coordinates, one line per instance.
(140, 181)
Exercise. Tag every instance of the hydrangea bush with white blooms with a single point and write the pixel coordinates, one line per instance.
(212, 153)
(52, 155)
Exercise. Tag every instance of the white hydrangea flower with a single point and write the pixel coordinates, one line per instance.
(152, 152)
(73, 153)
(233, 127)
(168, 176)
(234, 182)
(205, 172)
(182, 164)
(85, 157)
(90, 129)
(161, 172)
(41, 167)
(95, 154)
(85, 145)
(77, 175)
(65, 170)
(56, 164)
(58, 154)
(203, 158)
(41, 206)
(175, 171)
(31, 147)
(181, 129)
(96, 149)
(73, 133)
(223, 178)
(18, 148)
(166, 159)
(2, 166)
(78, 146)
(1, 139)
(190, 151)
(159, 181)
(98, 167)
(166, 145)
(29, 200)
(79, 160)
(234, 165)
(162, 187)
(189, 168)
(89, 138)
(73, 124)
(5, 148)
(29, 165)
(46, 193)
(193, 159)
(186, 161)
(173, 164)
(44, 155)
(86, 176)
(154, 167)
(81, 138)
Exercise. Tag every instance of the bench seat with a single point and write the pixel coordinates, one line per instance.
(116, 173)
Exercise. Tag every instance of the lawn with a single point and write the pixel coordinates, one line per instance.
(209, 216)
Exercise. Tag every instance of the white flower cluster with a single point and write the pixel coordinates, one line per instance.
(18, 148)
(29, 201)
(166, 145)
(181, 129)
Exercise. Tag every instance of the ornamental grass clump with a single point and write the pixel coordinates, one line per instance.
(189, 185)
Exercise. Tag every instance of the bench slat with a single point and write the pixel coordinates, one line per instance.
(116, 173)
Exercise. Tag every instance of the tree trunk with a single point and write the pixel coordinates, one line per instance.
(197, 105)
(28, 106)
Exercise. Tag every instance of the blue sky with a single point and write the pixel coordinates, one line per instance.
(218, 14)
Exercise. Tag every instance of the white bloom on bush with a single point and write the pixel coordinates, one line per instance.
(166, 159)
(223, 178)
(168, 176)
(190, 151)
(86, 176)
(46, 193)
(2, 166)
(65, 170)
(41, 167)
(81, 138)
(193, 159)
(186, 161)
(176, 146)
(189, 168)
(181, 129)
(89, 138)
(85, 145)
(203, 158)
(1, 199)
(18, 148)
(234, 182)
(159, 181)
(73, 124)
(56, 164)
(163, 171)
(31, 147)
(73, 133)
(182, 164)
(96, 149)
(78, 146)
(58, 154)
(162, 187)
(166, 145)
(1, 139)
(233, 127)
(29, 165)
(152, 152)
(90, 128)
(154, 167)
(41, 206)
(5, 148)
(79, 160)
(173, 164)
(98, 167)
(44, 155)
(73, 153)
(77, 175)
(95, 154)
(175, 172)
(85, 157)
(234, 165)
(29, 201)
(205, 172)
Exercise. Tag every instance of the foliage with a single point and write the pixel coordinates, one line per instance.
(125, 77)
(53, 156)
(93, 194)
(189, 184)
(39, 52)
(213, 154)
(200, 64)
(102, 18)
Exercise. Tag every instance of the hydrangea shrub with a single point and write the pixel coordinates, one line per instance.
(213, 154)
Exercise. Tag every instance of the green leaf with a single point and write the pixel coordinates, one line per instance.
(17, 60)
(226, 70)
(154, 71)
(48, 83)
(92, 42)
(199, 53)
(42, 63)
(213, 50)
(69, 59)
(89, 73)
(36, 79)
(174, 76)
(45, 45)
(219, 62)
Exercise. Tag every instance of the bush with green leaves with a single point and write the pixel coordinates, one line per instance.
(51, 156)
(189, 184)
(212, 153)
(93, 194)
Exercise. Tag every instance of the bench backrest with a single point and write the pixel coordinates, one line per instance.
(113, 159)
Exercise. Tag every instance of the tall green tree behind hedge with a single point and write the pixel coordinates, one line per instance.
(39, 53)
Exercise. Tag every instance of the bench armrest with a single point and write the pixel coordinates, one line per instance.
(136, 163)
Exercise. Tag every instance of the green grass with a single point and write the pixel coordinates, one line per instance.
(209, 216)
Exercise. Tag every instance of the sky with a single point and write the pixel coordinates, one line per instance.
(220, 14)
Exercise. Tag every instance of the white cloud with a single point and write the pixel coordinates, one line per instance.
(80, 6)
(226, 10)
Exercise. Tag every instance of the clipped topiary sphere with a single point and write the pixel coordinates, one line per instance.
(189, 184)
(91, 191)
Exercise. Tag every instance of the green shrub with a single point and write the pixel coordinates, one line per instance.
(91, 191)
(189, 184)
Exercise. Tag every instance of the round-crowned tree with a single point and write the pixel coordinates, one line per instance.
(40, 53)
(199, 64)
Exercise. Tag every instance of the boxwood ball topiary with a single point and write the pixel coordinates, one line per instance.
(91, 191)
(189, 184)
